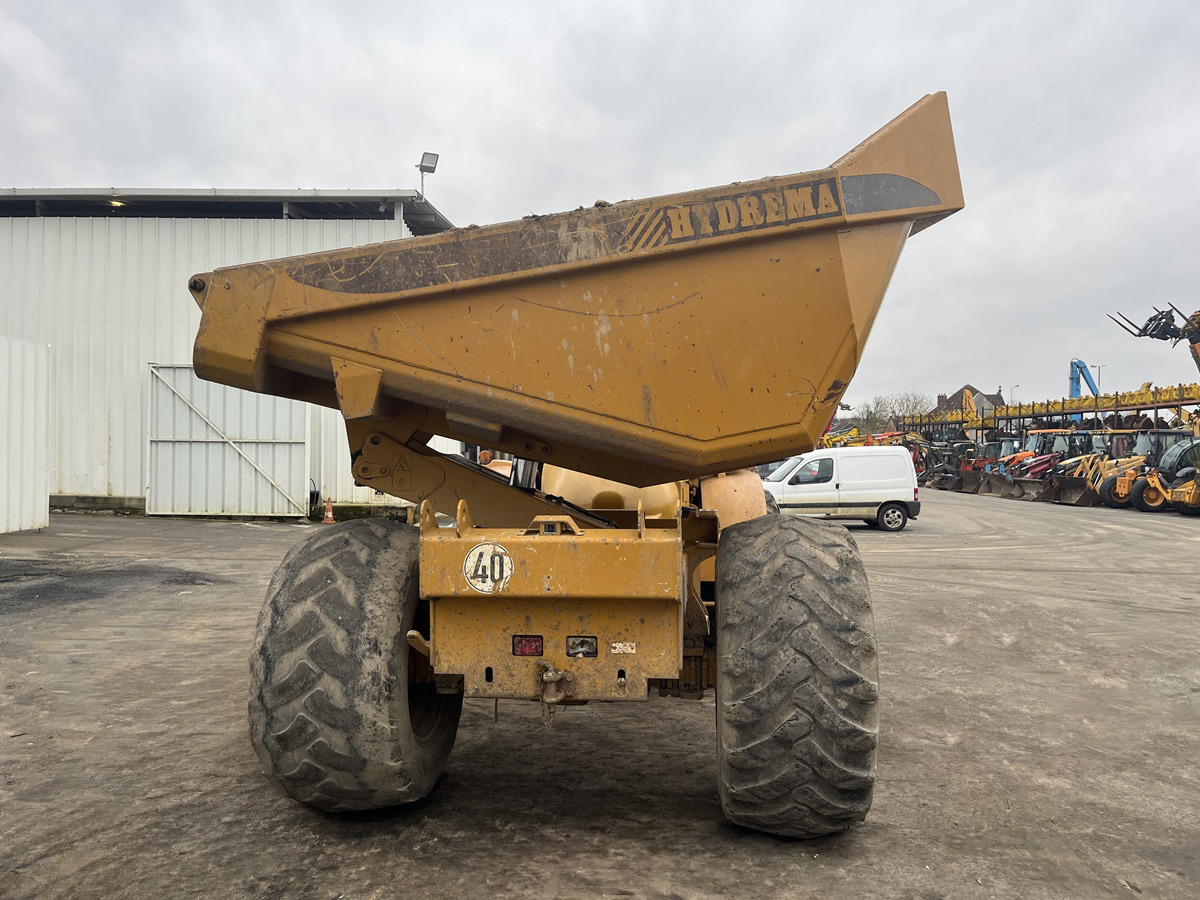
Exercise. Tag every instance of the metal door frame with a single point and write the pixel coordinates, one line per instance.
(221, 438)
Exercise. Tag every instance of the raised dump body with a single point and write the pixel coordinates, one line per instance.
(641, 341)
(647, 342)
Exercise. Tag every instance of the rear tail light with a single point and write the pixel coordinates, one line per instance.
(582, 645)
(915, 491)
(527, 645)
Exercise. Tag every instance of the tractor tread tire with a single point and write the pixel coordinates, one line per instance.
(797, 724)
(1106, 494)
(1184, 509)
(331, 710)
(1137, 496)
(772, 503)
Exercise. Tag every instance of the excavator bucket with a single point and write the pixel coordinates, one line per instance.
(1073, 490)
(1027, 488)
(969, 482)
(1049, 494)
(993, 484)
(1011, 489)
(944, 481)
(644, 341)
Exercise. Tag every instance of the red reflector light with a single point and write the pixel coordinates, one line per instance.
(915, 490)
(527, 645)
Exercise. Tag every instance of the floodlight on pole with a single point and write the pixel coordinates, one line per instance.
(428, 164)
(1011, 390)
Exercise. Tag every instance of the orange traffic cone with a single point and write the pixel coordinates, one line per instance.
(328, 520)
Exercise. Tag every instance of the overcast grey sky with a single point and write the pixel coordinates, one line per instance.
(1078, 128)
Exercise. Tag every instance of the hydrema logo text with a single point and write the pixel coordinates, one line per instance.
(733, 213)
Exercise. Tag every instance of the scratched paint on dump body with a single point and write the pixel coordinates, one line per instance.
(674, 337)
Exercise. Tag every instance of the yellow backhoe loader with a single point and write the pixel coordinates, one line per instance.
(1152, 490)
(1077, 482)
(1184, 494)
(1125, 477)
(666, 344)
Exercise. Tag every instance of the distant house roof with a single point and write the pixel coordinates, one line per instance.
(420, 216)
(954, 402)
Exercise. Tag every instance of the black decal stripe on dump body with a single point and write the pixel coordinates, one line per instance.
(540, 242)
(881, 193)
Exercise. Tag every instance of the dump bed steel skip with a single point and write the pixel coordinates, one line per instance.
(642, 341)
(646, 341)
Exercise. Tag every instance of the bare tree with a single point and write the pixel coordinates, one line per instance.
(908, 403)
(873, 416)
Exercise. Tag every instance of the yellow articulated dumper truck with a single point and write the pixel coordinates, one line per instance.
(637, 359)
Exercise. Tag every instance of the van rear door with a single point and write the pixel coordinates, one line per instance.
(867, 481)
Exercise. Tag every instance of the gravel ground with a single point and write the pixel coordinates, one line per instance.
(1040, 737)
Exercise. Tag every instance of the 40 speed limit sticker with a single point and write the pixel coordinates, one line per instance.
(487, 568)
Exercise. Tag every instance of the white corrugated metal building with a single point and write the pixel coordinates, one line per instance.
(24, 435)
(101, 276)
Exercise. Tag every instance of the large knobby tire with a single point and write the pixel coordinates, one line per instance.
(1108, 495)
(797, 724)
(344, 715)
(772, 504)
(1146, 497)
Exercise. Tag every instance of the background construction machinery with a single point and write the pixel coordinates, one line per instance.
(1134, 449)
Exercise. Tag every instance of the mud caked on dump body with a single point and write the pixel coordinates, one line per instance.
(669, 342)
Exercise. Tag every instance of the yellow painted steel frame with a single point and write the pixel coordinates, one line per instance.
(392, 460)
(1188, 493)
(1124, 483)
(619, 593)
(1158, 483)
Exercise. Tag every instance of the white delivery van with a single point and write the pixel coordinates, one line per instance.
(875, 484)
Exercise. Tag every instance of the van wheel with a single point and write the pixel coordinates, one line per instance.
(892, 517)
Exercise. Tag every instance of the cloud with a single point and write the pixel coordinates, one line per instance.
(1075, 124)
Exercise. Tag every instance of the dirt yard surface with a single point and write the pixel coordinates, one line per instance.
(1041, 734)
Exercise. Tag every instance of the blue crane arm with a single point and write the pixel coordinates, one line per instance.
(1079, 370)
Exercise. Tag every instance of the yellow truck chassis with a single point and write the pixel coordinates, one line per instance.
(665, 345)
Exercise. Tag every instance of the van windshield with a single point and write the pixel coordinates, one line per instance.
(785, 470)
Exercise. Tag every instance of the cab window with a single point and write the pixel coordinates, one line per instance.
(784, 470)
(817, 471)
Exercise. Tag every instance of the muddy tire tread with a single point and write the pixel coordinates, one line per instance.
(796, 702)
(328, 703)
(1106, 494)
(1137, 496)
(772, 503)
